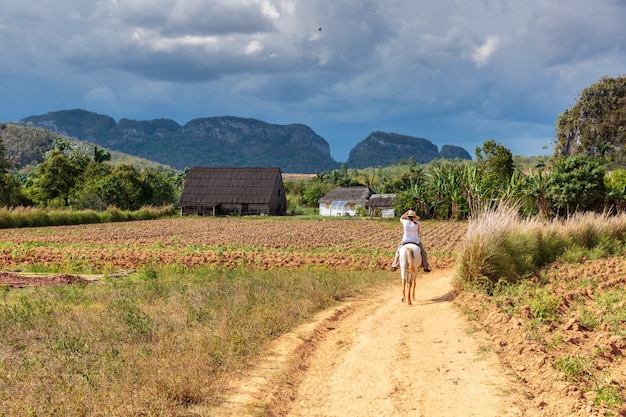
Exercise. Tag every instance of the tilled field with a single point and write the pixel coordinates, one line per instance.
(360, 244)
(575, 365)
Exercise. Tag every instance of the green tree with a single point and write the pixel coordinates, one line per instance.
(418, 197)
(615, 184)
(88, 191)
(54, 179)
(472, 188)
(535, 194)
(371, 179)
(446, 180)
(5, 164)
(10, 188)
(404, 181)
(61, 145)
(124, 187)
(576, 183)
(100, 156)
(157, 188)
(495, 163)
(11, 192)
(314, 191)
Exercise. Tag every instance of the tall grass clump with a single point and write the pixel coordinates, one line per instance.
(500, 245)
(158, 342)
(496, 247)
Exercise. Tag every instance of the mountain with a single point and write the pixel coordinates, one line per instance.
(454, 152)
(26, 147)
(211, 141)
(235, 142)
(596, 124)
(384, 149)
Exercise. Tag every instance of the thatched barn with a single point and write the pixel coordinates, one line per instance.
(381, 205)
(344, 201)
(219, 191)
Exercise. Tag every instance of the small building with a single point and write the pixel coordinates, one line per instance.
(381, 205)
(344, 201)
(211, 191)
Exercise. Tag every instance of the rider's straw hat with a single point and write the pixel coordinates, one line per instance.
(411, 213)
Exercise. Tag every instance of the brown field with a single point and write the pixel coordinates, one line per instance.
(585, 291)
(358, 244)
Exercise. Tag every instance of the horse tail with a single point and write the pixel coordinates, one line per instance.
(411, 258)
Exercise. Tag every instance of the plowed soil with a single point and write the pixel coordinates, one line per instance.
(21, 280)
(224, 242)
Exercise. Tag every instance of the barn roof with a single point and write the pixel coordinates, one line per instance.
(349, 194)
(381, 201)
(211, 186)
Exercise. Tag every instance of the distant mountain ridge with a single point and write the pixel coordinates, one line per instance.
(27, 146)
(235, 141)
(389, 148)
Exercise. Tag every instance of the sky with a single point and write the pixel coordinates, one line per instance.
(454, 72)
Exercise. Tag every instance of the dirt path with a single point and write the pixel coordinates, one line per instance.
(376, 356)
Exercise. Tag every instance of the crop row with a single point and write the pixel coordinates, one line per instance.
(225, 242)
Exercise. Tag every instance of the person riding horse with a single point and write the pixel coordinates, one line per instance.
(411, 226)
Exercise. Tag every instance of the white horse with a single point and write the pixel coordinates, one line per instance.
(410, 260)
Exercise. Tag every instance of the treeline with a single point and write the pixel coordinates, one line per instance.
(442, 189)
(71, 178)
(455, 190)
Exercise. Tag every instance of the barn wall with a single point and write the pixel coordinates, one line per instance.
(202, 211)
(238, 191)
(278, 200)
(238, 208)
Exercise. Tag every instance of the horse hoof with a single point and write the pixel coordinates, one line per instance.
(403, 300)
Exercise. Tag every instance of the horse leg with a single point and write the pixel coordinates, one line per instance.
(408, 283)
(413, 284)
(403, 290)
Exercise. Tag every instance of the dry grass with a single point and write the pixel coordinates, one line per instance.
(500, 245)
(37, 217)
(157, 343)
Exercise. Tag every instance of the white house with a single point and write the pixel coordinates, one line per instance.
(344, 201)
(381, 205)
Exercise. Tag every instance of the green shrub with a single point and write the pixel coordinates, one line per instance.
(575, 368)
(544, 306)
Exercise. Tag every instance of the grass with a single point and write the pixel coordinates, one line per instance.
(37, 217)
(158, 342)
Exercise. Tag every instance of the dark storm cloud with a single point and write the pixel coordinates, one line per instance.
(452, 71)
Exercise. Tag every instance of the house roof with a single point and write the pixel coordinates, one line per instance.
(357, 195)
(210, 186)
(381, 201)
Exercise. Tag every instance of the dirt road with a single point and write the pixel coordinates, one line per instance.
(376, 356)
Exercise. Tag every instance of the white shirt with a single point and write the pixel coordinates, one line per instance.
(410, 231)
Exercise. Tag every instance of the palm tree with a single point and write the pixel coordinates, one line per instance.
(99, 155)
